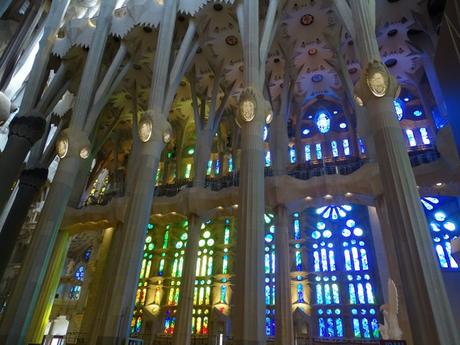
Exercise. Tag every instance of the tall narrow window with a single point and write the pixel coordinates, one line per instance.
(307, 153)
(346, 147)
(424, 134)
(292, 155)
(268, 160)
(319, 153)
(188, 170)
(335, 151)
(411, 138)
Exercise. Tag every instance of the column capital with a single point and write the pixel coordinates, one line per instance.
(376, 82)
(30, 127)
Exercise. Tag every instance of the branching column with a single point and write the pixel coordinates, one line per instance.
(154, 132)
(427, 304)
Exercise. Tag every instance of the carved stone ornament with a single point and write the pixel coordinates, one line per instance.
(248, 105)
(377, 79)
(145, 128)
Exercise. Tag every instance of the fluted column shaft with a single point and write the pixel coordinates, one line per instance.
(248, 298)
(118, 312)
(427, 304)
(283, 307)
(183, 327)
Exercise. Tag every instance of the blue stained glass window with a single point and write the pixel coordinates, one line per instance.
(268, 160)
(375, 328)
(367, 333)
(223, 294)
(298, 260)
(424, 134)
(292, 155)
(300, 293)
(322, 327)
(346, 228)
(323, 122)
(307, 153)
(335, 151)
(319, 294)
(339, 327)
(267, 294)
(296, 229)
(362, 146)
(217, 167)
(351, 288)
(230, 165)
(346, 147)
(269, 274)
(330, 327)
(398, 108)
(319, 154)
(442, 214)
(80, 273)
(410, 137)
(208, 170)
(265, 133)
(316, 259)
(335, 293)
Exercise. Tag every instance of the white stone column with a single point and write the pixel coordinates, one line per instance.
(154, 132)
(428, 307)
(248, 298)
(283, 307)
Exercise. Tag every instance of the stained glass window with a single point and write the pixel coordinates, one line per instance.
(307, 153)
(80, 273)
(410, 137)
(341, 256)
(424, 134)
(269, 269)
(208, 170)
(346, 147)
(443, 216)
(319, 154)
(398, 108)
(268, 160)
(335, 151)
(323, 122)
(292, 155)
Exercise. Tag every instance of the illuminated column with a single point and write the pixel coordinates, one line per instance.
(28, 126)
(422, 285)
(183, 326)
(42, 310)
(248, 299)
(96, 285)
(154, 132)
(283, 307)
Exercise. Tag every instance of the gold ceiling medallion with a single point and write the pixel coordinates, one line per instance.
(377, 79)
(248, 105)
